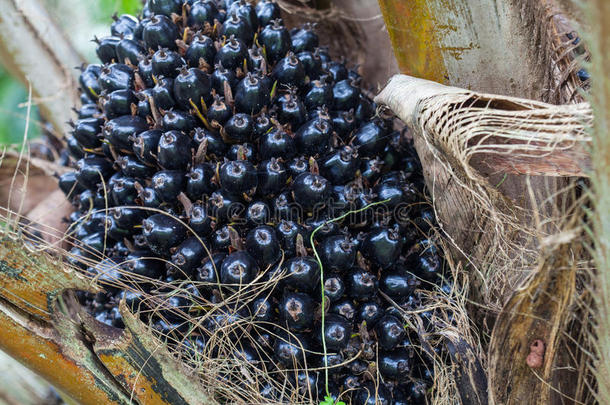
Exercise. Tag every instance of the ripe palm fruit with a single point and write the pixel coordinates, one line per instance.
(218, 145)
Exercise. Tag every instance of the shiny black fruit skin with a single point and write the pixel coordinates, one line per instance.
(163, 232)
(215, 147)
(192, 85)
(395, 364)
(341, 166)
(272, 177)
(92, 171)
(398, 284)
(202, 11)
(165, 7)
(168, 184)
(132, 167)
(145, 71)
(287, 231)
(187, 257)
(276, 40)
(232, 54)
(263, 245)
(361, 284)
(87, 132)
(343, 122)
(251, 95)
(223, 77)
(179, 121)
(199, 182)
(382, 246)
(124, 25)
(257, 213)
(160, 32)
(145, 146)
(120, 131)
(201, 49)
(337, 253)
(118, 103)
(313, 65)
(319, 93)
(370, 139)
(143, 264)
(291, 349)
(106, 48)
(116, 76)
(238, 128)
(238, 269)
(337, 332)
(390, 332)
(238, 177)
(368, 394)
(208, 271)
(369, 312)
(175, 150)
(199, 220)
(128, 50)
(263, 309)
(303, 39)
(313, 137)
(219, 111)
(311, 190)
(289, 71)
(291, 110)
(163, 93)
(276, 143)
(238, 27)
(345, 96)
(166, 63)
(296, 311)
(266, 12)
(302, 273)
(89, 81)
(344, 307)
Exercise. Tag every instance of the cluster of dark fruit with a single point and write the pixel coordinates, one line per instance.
(212, 142)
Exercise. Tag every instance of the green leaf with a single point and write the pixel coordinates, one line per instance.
(12, 112)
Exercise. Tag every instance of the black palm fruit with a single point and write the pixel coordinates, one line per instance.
(192, 86)
(296, 311)
(266, 12)
(201, 52)
(237, 269)
(163, 93)
(276, 40)
(237, 27)
(211, 144)
(124, 25)
(304, 39)
(166, 63)
(174, 150)
(238, 177)
(233, 53)
(263, 245)
(251, 95)
(289, 71)
(202, 11)
(163, 232)
(160, 32)
(106, 48)
(383, 246)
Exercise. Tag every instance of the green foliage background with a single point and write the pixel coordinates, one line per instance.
(95, 15)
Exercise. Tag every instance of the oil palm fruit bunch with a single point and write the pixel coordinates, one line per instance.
(212, 150)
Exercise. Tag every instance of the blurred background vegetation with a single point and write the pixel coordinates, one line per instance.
(81, 20)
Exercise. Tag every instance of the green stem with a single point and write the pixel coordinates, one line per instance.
(315, 252)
